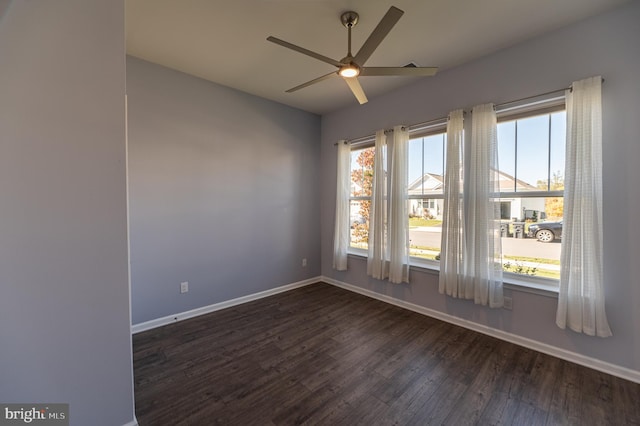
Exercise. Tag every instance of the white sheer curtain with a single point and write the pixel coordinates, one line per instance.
(452, 243)
(388, 255)
(341, 232)
(398, 226)
(377, 265)
(581, 298)
(483, 254)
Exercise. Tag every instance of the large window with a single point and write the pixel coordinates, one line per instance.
(531, 152)
(531, 149)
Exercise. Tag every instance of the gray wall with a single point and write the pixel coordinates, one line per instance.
(605, 45)
(64, 308)
(223, 192)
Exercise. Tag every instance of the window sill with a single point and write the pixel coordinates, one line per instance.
(540, 286)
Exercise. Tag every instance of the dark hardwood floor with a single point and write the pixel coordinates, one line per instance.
(323, 355)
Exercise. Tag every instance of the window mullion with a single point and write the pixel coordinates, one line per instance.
(422, 161)
(549, 157)
(515, 162)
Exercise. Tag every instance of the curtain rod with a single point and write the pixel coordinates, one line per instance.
(418, 125)
(570, 88)
(425, 123)
(532, 97)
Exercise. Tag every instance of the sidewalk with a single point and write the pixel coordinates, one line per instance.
(426, 228)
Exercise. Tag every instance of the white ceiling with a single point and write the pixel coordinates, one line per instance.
(225, 41)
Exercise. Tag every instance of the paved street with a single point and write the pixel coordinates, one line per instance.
(528, 247)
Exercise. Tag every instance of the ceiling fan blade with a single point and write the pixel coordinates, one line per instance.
(379, 33)
(314, 81)
(355, 87)
(304, 51)
(408, 71)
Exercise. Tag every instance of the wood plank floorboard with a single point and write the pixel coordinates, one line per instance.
(321, 355)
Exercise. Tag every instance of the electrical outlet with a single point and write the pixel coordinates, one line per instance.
(184, 287)
(508, 303)
(304, 262)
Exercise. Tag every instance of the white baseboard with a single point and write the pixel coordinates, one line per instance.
(170, 319)
(133, 422)
(596, 364)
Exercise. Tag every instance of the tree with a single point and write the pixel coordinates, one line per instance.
(363, 187)
(554, 206)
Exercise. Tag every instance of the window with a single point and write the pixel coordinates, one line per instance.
(531, 151)
(505, 209)
(426, 171)
(531, 145)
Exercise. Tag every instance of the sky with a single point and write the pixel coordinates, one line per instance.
(431, 149)
(529, 159)
(530, 154)
(523, 149)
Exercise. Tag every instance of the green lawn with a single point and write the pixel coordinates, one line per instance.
(418, 221)
(544, 273)
(424, 254)
(538, 263)
(532, 259)
(527, 263)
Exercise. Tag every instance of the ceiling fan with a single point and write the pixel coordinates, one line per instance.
(350, 67)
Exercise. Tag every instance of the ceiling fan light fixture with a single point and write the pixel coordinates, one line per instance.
(349, 71)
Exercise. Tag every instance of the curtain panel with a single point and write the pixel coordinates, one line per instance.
(377, 265)
(581, 302)
(398, 235)
(388, 254)
(452, 242)
(483, 248)
(341, 231)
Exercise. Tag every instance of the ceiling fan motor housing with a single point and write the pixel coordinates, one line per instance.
(349, 19)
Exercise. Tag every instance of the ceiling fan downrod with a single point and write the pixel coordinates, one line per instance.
(349, 19)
